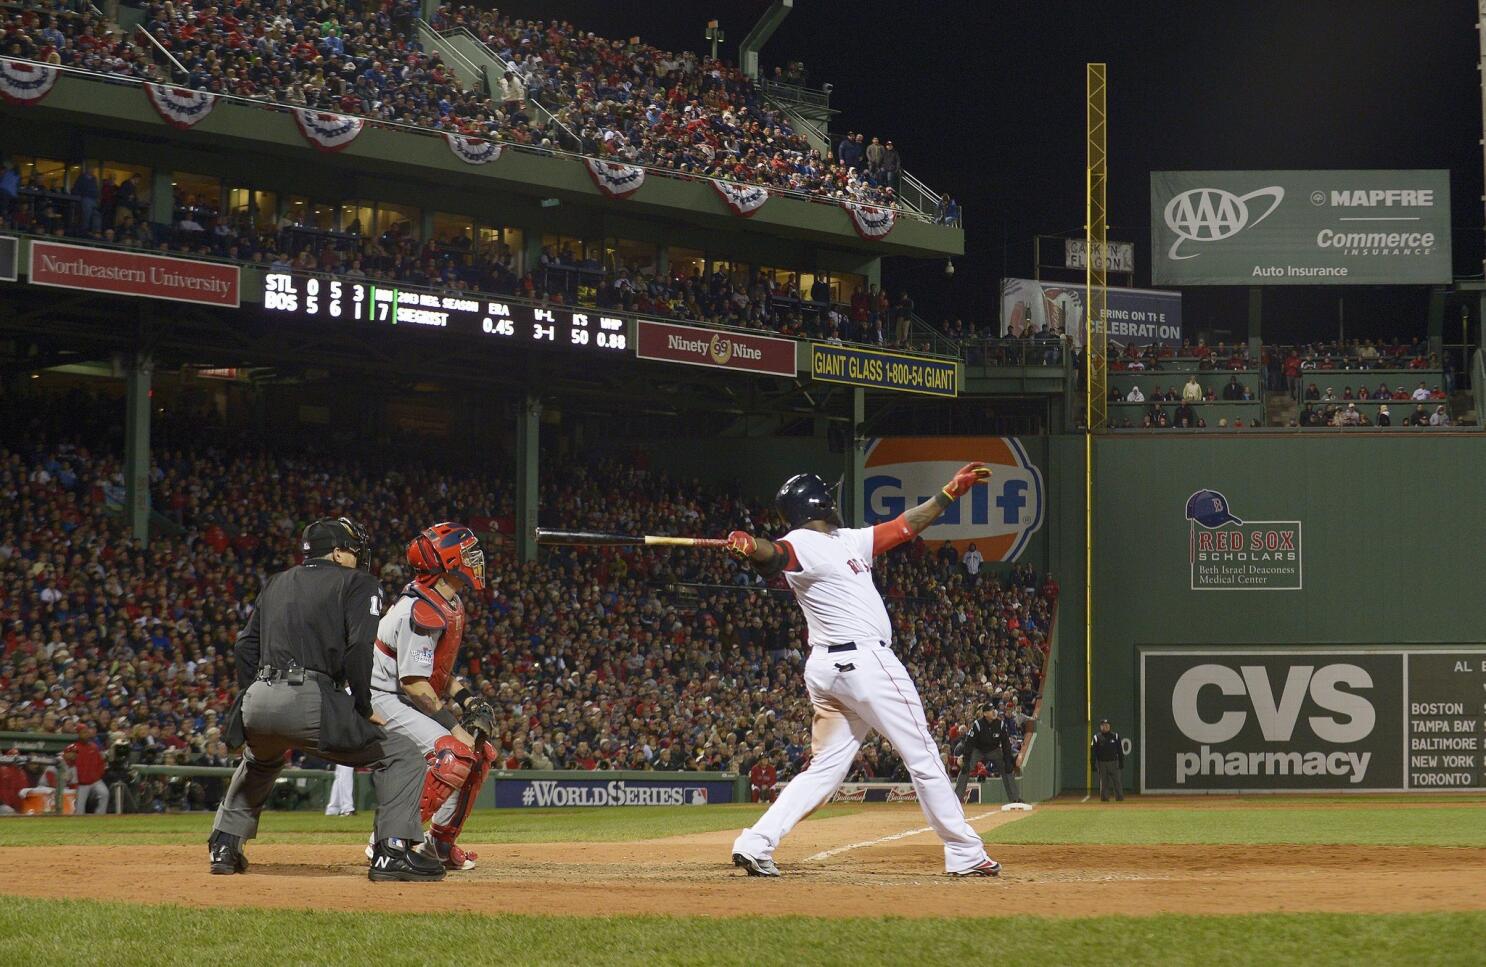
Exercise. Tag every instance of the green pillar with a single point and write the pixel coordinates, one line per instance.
(162, 198)
(1437, 335)
(528, 435)
(851, 481)
(137, 447)
(662, 261)
(531, 250)
(874, 273)
(1256, 314)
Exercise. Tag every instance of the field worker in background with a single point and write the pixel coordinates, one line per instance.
(342, 793)
(1107, 753)
(855, 681)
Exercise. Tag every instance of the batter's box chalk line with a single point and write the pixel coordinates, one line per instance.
(827, 854)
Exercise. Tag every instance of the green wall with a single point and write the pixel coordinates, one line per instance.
(1391, 552)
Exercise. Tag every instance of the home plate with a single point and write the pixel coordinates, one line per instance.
(1016, 807)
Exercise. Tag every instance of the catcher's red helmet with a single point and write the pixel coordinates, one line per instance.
(448, 549)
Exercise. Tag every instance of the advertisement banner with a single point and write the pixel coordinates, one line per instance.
(1227, 553)
(670, 343)
(877, 369)
(1388, 718)
(1300, 227)
(134, 273)
(1141, 316)
(998, 518)
(1115, 256)
(511, 791)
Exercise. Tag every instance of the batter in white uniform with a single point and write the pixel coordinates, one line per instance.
(855, 681)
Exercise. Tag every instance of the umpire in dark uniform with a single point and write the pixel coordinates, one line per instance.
(988, 741)
(1107, 753)
(310, 635)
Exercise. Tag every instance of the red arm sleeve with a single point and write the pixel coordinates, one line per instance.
(889, 534)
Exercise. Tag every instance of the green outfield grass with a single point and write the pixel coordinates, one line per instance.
(50, 931)
(596, 824)
(1359, 823)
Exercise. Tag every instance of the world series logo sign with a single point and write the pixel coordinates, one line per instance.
(1230, 554)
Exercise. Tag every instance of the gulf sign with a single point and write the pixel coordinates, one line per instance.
(999, 518)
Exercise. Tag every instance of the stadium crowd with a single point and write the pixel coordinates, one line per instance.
(592, 659)
(619, 99)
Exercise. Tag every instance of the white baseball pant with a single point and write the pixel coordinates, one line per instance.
(854, 692)
(342, 792)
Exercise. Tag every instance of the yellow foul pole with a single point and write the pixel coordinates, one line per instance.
(1096, 346)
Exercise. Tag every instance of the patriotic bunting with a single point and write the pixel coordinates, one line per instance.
(328, 132)
(22, 82)
(614, 179)
(179, 106)
(744, 200)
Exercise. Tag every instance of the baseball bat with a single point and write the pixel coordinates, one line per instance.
(597, 539)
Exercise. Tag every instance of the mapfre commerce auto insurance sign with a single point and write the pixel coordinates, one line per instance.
(142, 274)
(1300, 227)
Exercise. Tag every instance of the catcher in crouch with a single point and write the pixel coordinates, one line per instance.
(414, 689)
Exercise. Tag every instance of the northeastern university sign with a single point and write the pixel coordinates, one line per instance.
(1230, 554)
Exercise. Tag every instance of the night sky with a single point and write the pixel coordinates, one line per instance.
(985, 100)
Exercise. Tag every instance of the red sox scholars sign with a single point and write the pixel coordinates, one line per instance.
(1229, 554)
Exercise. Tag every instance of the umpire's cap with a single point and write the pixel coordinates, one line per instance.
(335, 533)
(805, 497)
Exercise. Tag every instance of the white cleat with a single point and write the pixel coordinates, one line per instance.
(756, 866)
(988, 867)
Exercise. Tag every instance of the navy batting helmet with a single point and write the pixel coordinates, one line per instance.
(805, 497)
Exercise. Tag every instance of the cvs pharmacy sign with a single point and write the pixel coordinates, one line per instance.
(1270, 720)
(998, 518)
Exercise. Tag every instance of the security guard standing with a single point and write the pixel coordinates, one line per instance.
(310, 635)
(1107, 753)
(988, 741)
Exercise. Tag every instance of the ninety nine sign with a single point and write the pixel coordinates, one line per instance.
(134, 273)
(1300, 227)
(710, 347)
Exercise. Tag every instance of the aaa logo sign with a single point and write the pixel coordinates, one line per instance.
(1229, 554)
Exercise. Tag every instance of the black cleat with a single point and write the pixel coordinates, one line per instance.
(227, 854)
(756, 866)
(394, 859)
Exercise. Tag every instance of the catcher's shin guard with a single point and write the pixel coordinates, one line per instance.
(449, 767)
(448, 831)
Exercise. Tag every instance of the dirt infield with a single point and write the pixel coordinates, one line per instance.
(877, 862)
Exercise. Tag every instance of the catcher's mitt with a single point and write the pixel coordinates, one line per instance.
(478, 717)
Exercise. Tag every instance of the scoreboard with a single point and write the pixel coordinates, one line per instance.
(313, 298)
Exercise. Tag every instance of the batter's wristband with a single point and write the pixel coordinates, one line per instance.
(462, 697)
(445, 718)
(948, 497)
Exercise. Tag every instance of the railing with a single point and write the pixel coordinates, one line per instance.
(797, 94)
(462, 64)
(266, 105)
(567, 136)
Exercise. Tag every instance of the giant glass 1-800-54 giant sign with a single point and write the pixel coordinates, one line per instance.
(1300, 227)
